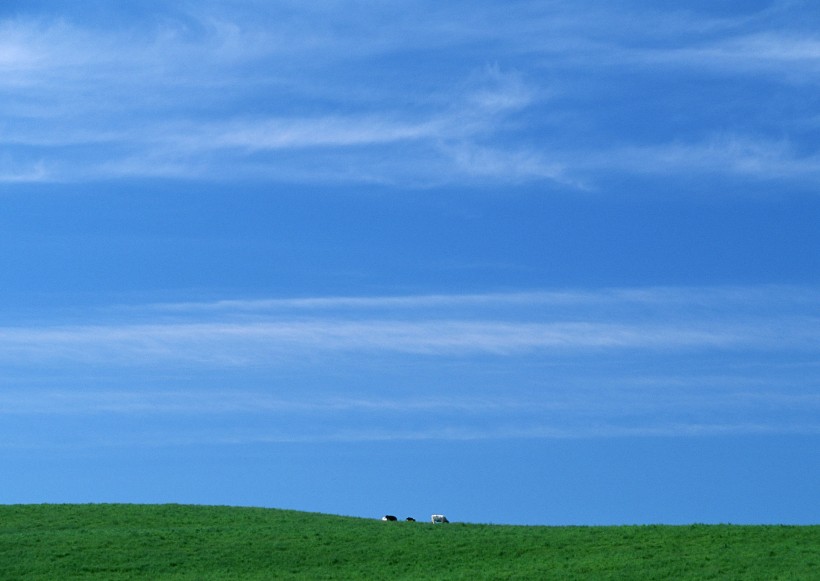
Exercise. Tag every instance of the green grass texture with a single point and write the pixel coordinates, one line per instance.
(159, 542)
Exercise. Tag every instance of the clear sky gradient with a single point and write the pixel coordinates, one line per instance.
(519, 262)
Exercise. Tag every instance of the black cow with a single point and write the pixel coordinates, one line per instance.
(410, 519)
(389, 517)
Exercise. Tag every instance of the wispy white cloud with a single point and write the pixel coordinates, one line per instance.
(300, 133)
(471, 434)
(244, 437)
(254, 342)
(513, 165)
(775, 297)
(238, 333)
(239, 401)
(585, 407)
(11, 172)
(280, 92)
(127, 92)
(580, 397)
(738, 155)
(387, 144)
(794, 57)
(628, 362)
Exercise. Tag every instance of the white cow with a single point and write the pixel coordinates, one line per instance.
(438, 519)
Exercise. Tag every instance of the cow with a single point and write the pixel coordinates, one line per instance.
(389, 517)
(438, 519)
(410, 519)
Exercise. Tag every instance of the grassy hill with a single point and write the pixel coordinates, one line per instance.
(157, 542)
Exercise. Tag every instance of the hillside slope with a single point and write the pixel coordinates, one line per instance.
(158, 542)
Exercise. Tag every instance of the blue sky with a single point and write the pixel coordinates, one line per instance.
(522, 262)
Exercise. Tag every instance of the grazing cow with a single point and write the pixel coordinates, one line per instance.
(410, 519)
(438, 519)
(389, 517)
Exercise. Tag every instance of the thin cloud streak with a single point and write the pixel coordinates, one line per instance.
(238, 437)
(270, 332)
(237, 344)
(724, 155)
(797, 59)
(577, 398)
(718, 297)
(175, 402)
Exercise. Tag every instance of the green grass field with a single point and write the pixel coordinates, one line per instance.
(114, 542)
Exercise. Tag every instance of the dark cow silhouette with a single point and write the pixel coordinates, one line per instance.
(410, 519)
(389, 517)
